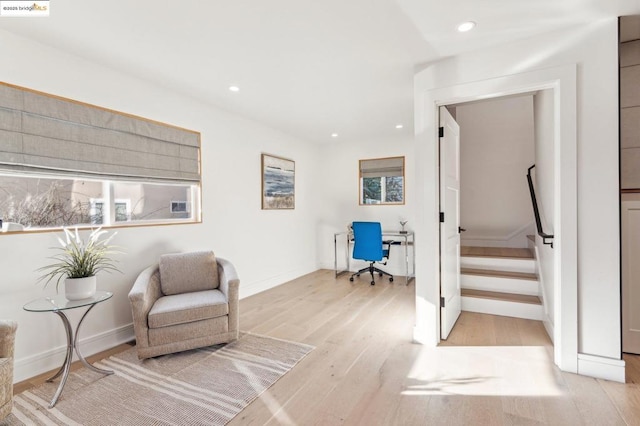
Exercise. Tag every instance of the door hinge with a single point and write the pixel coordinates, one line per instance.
(441, 217)
(441, 132)
(442, 302)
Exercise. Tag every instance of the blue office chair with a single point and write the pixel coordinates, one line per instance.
(368, 245)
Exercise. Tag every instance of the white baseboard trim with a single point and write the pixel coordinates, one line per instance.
(395, 267)
(546, 320)
(33, 365)
(548, 326)
(260, 286)
(601, 367)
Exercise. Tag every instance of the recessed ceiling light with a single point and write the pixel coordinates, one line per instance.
(234, 88)
(466, 26)
(334, 135)
(399, 126)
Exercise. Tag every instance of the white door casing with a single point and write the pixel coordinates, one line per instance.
(562, 80)
(449, 228)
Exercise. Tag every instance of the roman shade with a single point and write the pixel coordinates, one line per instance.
(382, 167)
(41, 133)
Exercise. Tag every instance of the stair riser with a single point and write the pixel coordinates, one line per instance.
(502, 308)
(499, 264)
(501, 285)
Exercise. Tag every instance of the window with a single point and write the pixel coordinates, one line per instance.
(178, 207)
(382, 181)
(66, 163)
(36, 203)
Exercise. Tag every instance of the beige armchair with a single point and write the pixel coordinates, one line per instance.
(187, 301)
(7, 339)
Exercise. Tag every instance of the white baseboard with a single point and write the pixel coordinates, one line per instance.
(517, 238)
(396, 267)
(33, 365)
(260, 286)
(546, 320)
(548, 326)
(601, 367)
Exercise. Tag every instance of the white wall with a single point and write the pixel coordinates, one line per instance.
(544, 179)
(339, 179)
(593, 48)
(496, 148)
(267, 247)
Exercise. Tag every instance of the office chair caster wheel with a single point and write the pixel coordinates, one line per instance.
(373, 283)
(390, 279)
(351, 279)
(380, 273)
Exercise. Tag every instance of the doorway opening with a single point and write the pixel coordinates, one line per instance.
(489, 223)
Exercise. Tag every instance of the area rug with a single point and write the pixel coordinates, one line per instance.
(206, 386)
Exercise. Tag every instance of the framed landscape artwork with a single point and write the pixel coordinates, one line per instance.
(278, 183)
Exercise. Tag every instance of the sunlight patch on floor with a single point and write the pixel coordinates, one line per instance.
(484, 370)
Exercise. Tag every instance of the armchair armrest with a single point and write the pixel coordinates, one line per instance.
(7, 338)
(144, 293)
(229, 286)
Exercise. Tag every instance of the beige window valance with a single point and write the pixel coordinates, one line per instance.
(382, 167)
(41, 133)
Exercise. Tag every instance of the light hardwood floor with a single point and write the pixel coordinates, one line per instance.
(365, 370)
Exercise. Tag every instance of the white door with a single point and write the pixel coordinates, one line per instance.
(450, 299)
(631, 276)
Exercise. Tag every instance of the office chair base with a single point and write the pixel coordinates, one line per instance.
(371, 269)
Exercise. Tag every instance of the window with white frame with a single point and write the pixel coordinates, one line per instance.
(65, 163)
(382, 181)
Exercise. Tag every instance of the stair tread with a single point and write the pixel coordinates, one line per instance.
(508, 297)
(501, 252)
(499, 274)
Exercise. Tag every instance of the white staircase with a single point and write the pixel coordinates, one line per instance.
(500, 281)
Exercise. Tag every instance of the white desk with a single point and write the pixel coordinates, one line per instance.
(405, 240)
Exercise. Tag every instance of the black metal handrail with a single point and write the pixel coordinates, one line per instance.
(536, 212)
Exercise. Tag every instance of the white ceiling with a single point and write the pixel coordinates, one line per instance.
(308, 68)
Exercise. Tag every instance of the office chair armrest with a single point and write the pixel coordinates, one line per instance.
(388, 243)
(387, 250)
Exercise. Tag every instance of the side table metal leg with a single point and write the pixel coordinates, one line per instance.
(77, 349)
(64, 370)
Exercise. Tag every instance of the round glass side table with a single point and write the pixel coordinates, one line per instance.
(58, 305)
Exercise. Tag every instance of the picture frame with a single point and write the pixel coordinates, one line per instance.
(278, 183)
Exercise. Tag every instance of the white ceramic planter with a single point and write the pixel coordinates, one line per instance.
(79, 288)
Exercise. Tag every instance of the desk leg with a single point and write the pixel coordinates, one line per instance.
(406, 259)
(64, 370)
(335, 255)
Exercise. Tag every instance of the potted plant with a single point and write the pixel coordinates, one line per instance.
(78, 263)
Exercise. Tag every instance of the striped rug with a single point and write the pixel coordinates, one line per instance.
(206, 386)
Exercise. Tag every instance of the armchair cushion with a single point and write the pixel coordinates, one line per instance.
(188, 272)
(188, 307)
